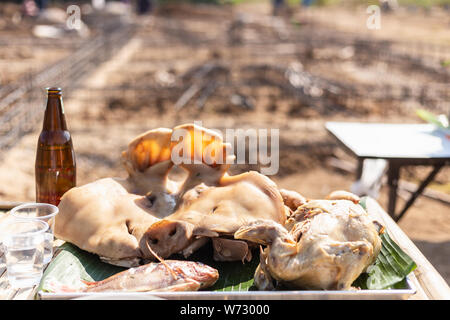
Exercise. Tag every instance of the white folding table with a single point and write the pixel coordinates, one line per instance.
(399, 144)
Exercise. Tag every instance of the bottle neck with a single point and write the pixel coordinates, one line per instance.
(54, 118)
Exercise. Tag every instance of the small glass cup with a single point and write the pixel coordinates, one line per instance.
(44, 212)
(24, 251)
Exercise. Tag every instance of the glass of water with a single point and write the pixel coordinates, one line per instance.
(44, 212)
(23, 242)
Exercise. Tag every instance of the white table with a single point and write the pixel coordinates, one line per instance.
(399, 144)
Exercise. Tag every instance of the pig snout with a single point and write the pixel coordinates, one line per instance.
(166, 237)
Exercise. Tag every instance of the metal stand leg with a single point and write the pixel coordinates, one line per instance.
(359, 168)
(393, 176)
(419, 190)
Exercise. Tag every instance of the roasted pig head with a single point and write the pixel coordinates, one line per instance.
(213, 204)
(217, 211)
(150, 214)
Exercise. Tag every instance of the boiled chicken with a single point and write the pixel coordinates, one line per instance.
(325, 244)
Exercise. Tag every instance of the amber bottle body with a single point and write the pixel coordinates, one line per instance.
(55, 167)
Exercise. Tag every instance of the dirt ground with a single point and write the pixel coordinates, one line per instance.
(144, 81)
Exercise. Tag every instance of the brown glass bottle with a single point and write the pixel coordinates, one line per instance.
(55, 167)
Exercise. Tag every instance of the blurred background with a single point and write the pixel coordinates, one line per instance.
(129, 66)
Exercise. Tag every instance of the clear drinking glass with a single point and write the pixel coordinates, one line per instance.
(24, 251)
(44, 212)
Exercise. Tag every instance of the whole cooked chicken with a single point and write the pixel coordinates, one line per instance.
(126, 221)
(325, 244)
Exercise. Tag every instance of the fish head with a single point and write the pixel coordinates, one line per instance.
(202, 273)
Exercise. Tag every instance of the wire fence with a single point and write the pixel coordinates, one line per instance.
(23, 103)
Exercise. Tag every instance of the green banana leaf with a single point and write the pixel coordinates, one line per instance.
(72, 264)
(389, 270)
(391, 267)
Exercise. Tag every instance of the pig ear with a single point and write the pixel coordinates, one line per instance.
(194, 145)
(292, 199)
(146, 150)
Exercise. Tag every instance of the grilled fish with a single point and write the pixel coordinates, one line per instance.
(169, 275)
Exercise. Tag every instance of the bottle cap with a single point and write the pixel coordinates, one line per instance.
(53, 90)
